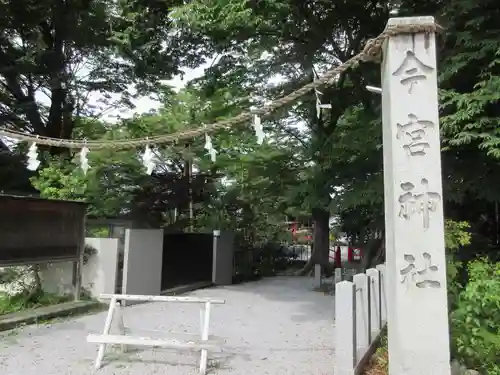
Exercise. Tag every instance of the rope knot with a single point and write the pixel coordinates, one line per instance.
(372, 50)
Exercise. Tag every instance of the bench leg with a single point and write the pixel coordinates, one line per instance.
(121, 325)
(204, 336)
(107, 327)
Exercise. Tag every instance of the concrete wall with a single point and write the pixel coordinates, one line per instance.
(142, 265)
(143, 259)
(98, 273)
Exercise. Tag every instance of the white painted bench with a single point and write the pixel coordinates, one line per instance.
(203, 344)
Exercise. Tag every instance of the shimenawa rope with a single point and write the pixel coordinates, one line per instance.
(371, 52)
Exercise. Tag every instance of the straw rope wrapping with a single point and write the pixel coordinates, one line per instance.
(371, 52)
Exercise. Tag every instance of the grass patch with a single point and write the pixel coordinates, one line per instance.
(25, 300)
(379, 363)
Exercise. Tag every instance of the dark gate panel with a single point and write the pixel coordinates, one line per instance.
(34, 230)
(187, 258)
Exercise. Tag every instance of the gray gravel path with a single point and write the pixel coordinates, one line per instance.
(274, 326)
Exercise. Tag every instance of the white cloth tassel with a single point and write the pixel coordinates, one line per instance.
(320, 106)
(210, 148)
(213, 155)
(84, 161)
(208, 142)
(148, 160)
(33, 162)
(259, 130)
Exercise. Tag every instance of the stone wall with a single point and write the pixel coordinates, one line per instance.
(98, 272)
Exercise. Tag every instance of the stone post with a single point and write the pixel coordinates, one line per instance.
(416, 266)
(383, 294)
(375, 301)
(317, 275)
(362, 314)
(223, 262)
(345, 328)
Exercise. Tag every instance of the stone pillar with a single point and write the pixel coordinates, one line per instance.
(362, 314)
(345, 329)
(143, 262)
(375, 301)
(223, 258)
(383, 294)
(317, 275)
(416, 266)
(100, 272)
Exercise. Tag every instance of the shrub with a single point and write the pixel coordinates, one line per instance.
(25, 300)
(456, 236)
(379, 363)
(475, 322)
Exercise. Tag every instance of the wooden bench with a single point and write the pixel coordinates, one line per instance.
(203, 344)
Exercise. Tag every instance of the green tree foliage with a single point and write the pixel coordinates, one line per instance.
(295, 40)
(308, 166)
(344, 147)
(116, 183)
(57, 54)
(335, 148)
(64, 60)
(470, 81)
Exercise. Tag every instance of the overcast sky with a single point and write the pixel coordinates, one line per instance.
(145, 104)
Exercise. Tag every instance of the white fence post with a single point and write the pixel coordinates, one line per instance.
(375, 301)
(359, 318)
(383, 294)
(363, 330)
(345, 328)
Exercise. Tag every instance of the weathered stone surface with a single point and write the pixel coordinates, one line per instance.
(416, 265)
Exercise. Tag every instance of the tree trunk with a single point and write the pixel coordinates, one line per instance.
(188, 171)
(371, 252)
(321, 244)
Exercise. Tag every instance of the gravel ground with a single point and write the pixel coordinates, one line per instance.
(274, 326)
